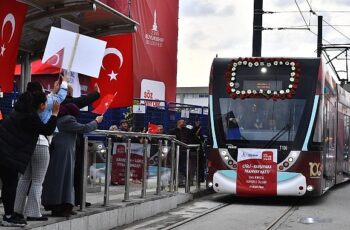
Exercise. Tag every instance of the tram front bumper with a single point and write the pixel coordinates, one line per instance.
(288, 183)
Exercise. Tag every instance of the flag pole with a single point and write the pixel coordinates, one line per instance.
(73, 53)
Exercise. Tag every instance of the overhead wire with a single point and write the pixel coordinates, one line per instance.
(303, 11)
(346, 51)
(306, 22)
(311, 10)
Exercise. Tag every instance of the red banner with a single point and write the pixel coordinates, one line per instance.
(257, 172)
(155, 48)
(12, 14)
(116, 71)
(118, 162)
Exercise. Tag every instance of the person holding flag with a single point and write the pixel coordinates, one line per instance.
(34, 175)
(58, 192)
(81, 102)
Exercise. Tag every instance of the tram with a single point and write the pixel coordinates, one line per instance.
(278, 127)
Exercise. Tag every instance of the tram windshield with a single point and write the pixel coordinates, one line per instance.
(259, 119)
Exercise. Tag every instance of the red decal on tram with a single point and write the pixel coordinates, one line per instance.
(257, 173)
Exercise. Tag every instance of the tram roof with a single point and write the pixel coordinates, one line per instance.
(93, 17)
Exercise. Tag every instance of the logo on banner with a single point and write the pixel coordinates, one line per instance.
(155, 26)
(113, 75)
(8, 19)
(153, 38)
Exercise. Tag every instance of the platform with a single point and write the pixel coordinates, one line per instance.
(118, 212)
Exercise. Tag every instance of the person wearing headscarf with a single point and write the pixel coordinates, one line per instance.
(18, 137)
(81, 102)
(58, 190)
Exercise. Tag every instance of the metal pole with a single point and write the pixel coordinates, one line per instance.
(172, 166)
(198, 182)
(108, 173)
(177, 168)
(187, 189)
(83, 175)
(25, 72)
(159, 165)
(257, 27)
(165, 161)
(145, 159)
(127, 171)
(319, 36)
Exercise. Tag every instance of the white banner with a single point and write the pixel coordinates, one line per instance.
(248, 153)
(81, 54)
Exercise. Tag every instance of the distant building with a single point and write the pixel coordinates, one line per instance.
(192, 95)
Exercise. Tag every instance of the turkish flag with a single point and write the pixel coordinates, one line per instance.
(105, 102)
(153, 128)
(56, 59)
(116, 71)
(12, 14)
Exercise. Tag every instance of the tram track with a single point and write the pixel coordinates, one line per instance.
(196, 216)
(271, 226)
(277, 220)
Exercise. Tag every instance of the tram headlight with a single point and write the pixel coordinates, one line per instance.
(165, 149)
(310, 188)
(226, 157)
(224, 152)
(102, 151)
(263, 70)
(290, 159)
(210, 184)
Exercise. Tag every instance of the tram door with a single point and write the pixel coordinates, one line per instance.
(346, 162)
(329, 156)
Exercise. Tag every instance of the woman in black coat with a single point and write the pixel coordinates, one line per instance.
(18, 136)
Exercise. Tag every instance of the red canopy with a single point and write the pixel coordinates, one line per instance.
(39, 68)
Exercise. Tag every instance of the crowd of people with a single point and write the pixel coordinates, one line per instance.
(38, 141)
(42, 152)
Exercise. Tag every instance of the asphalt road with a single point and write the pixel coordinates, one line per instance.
(216, 211)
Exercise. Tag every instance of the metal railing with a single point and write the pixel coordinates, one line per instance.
(163, 140)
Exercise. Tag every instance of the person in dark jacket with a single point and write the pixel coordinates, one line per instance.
(81, 102)
(182, 134)
(18, 137)
(29, 186)
(84, 100)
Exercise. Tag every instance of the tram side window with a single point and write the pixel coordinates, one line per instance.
(317, 137)
(330, 126)
(346, 134)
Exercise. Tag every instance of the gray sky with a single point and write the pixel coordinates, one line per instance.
(224, 27)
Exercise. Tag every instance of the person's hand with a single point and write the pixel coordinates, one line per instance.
(56, 86)
(55, 108)
(66, 77)
(113, 128)
(96, 88)
(99, 119)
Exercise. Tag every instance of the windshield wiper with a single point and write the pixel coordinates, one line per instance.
(277, 136)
